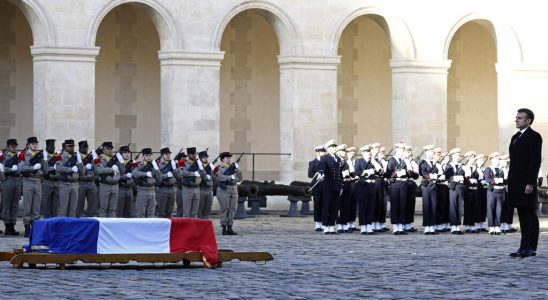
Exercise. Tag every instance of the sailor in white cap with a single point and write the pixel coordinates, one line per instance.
(317, 192)
(457, 190)
(507, 214)
(379, 215)
(351, 161)
(442, 208)
(429, 173)
(481, 203)
(344, 205)
(495, 193)
(471, 198)
(331, 169)
(398, 190)
(365, 191)
(413, 174)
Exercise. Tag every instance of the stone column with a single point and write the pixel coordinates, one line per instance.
(190, 114)
(64, 92)
(419, 102)
(522, 86)
(308, 110)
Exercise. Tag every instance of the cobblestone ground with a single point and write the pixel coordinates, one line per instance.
(309, 265)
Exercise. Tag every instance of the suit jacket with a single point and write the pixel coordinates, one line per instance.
(331, 167)
(525, 158)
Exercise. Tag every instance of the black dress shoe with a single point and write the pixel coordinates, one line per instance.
(364, 232)
(515, 254)
(512, 230)
(468, 231)
(384, 229)
(403, 232)
(397, 233)
(484, 230)
(527, 253)
(340, 231)
(371, 233)
(318, 229)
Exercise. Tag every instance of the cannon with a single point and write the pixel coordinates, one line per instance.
(293, 201)
(273, 189)
(248, 190)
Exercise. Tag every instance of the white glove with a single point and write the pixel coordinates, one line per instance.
(88, 166)
(173, 164)
(434, 176)
(467, 172)
(169, 174)
(499, 180)
(233, 177)
(401, 173)
(208, 177)
(128, 175)
(37, 166)
(115, 168)
(2, 168)
(370, 172)
(45, 154)
(75, 169)
(442, 177)
(14, 168)
(236, 165)
(149, 174)
(483, 182)
(345, 173)
(473, 181)
(196, 174)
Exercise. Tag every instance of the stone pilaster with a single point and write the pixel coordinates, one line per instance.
(522, 86)
(64, 92)
(190, 99)
(419, 102)
(308, 110)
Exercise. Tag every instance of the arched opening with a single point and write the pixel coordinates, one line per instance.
(472, 113)
(364, 83)
(16, 74)
(250, 92)
(127, 88)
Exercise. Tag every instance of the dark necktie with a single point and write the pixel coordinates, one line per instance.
(497, 172)
(517, 136)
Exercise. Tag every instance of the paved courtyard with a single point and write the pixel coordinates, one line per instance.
(309, 265)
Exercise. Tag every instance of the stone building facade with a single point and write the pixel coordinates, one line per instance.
(272, 75)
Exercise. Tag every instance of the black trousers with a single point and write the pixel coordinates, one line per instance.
(429, 205)
(410, 203)
(528, 222)
(330, 207)
(481, 205)
(494, 207)
(353, 204)
(507, 214)
(470, 207)
(380, 201)
(345, 204)
(456, 204)
(398, 199)
(443, 204)
(365, 192)
(317, 196)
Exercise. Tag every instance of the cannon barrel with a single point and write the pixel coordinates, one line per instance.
(300, 183)
(273, 189)
(248, 190)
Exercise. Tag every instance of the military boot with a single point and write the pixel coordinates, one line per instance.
(224, 230)
(10, 230)
(229, 231)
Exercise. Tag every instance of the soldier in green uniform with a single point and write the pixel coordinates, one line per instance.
(31, 171)
(227, 175)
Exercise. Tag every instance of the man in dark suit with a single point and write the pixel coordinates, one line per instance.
(525, 157)
(331, 168)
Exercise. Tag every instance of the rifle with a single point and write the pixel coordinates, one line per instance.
(89, 157)
(416, 159)
(216, 159)
(11, 161)
(231, 170)
(116, 158)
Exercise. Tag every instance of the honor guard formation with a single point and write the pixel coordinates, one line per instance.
(108, 183)
(457, 190)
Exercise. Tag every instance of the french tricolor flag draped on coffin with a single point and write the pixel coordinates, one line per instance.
(122, 236)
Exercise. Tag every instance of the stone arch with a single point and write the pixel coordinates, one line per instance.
(401, 40)
(42, 33)
(160, 16)
(509, 48)
(289, 37)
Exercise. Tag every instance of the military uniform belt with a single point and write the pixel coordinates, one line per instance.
(498, 187)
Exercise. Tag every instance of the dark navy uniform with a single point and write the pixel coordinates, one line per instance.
(331, 168)
(429, 173)
(495, 194)
(366, 194)
(398, 192)
(317, 192)
(457, 193)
